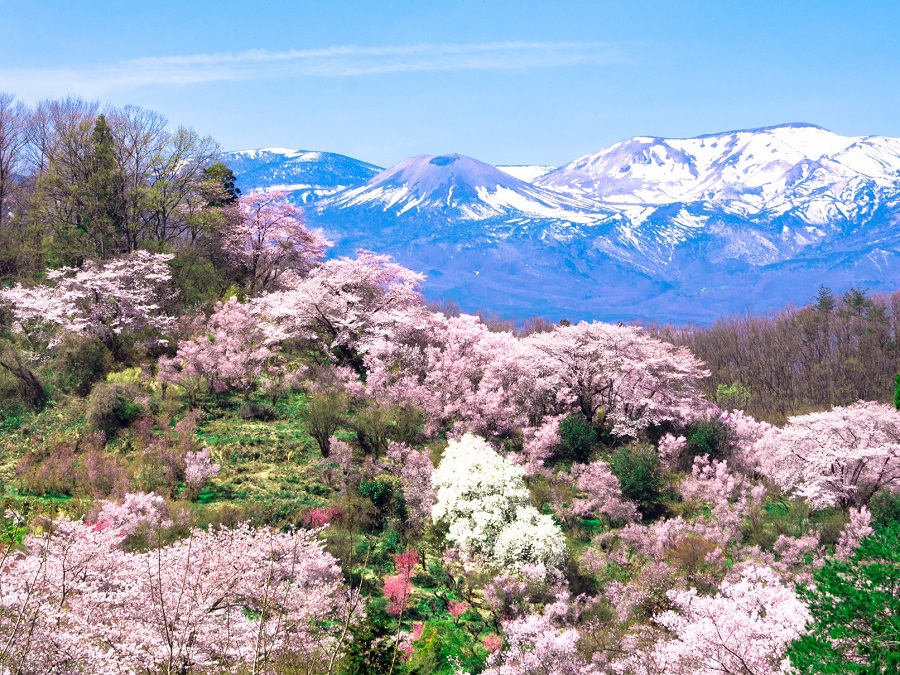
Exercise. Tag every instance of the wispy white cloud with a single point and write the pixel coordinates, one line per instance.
(342, 61)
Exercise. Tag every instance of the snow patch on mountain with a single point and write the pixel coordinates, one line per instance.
(527, 173)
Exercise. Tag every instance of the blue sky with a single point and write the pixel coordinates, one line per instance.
(506, 82)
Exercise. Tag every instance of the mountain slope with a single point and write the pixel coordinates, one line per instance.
(648, 229)
(308, 176)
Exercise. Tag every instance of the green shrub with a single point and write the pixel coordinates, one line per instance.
(325, 412)
(708, 437)
(444, 648)
(386, 494)
(408, 426)
(79, 363)
(885, 507)
(577, 438)
(373, 429)
(638, 470)
(256, 411)
(113, 406)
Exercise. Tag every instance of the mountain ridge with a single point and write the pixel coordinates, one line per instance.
(647, 228)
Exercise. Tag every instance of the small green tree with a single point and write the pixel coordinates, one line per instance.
(371, 649)
(638, 470)
(855, 606)
(577, 438)
(325, 412)
(897, 391)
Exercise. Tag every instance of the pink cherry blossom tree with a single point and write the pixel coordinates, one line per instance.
(745, 628)
(602, 493)
(222, 600)
(344, 305)
(231, 354)
(271, 238)
(462, 375)
(617, 376)
(840, 457)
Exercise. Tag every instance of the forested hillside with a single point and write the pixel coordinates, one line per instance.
(222, 453)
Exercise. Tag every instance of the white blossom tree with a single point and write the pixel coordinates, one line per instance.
(486, 505)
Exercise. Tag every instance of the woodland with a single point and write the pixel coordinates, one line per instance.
(222, 451)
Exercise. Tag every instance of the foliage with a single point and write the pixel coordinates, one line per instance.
(854, 608)
(577, 437)
(325, 412)
(78, 363)
(112, 406)
(638, 469)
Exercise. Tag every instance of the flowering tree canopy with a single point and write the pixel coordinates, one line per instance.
(745, 628)
(345, 304)
(97, 300)
(617, 376)
(221, 599)
(231, 354)
(485, 503)
(840, 457)
(270, 238)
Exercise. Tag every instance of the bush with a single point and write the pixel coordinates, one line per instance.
(638, 470)
(256, 411)
(113, 406)
(707, 437)
(885, 508)
(325, 412)
(577, 438)
(386, 493)
(374, 427)
(79, 363)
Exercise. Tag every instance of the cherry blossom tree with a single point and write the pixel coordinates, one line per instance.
(462, 375)
(220, 600)
(99, 300)
(745, 628)
(617, 376)
(231, 354)
(603, 494)
(535, 646)
(415, 469)
(840, 457)
(270, 238)
(345, 304)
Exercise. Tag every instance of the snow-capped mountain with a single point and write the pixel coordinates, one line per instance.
(308, 176)
(461, 187)
(649, 228)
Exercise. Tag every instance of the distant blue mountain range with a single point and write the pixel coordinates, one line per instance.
(649, 229)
